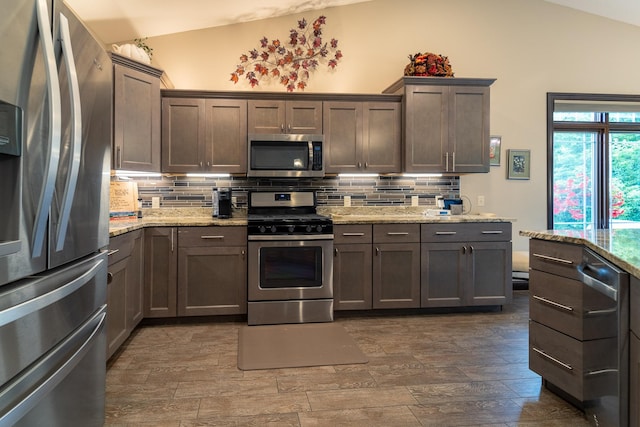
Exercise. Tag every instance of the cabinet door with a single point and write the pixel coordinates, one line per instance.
(469, 129)
(183, 132)
(160, 276)
(343, 136)
(352, 283)
(135, 282)
(382, 137)
(426, 128)
(396, 275)
(304, 117)
(212, 280)
(634, 380)
(443, 275)
(116, 306)
(136, 120)
(266, 116)
(226, 135)
(489, 273)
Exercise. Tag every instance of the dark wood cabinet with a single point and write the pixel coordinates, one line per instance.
(160, 272)
(352, 267)
(446, 124)
(362, 136)
(396, 266)
(136, 116)
(284, 116)
(124, 288)
(204, 135)
(634, 352)
(466, 264)
(212, 267)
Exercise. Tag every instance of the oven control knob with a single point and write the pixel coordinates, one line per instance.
(319, 228)
(262, 229)
(309, 228)
(273, 229)
(291, 228)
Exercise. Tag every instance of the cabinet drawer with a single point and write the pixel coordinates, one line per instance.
(469, 232)
(570, 307)
(212, 236)
(120, 247)
(556, 258)
(396, 233)
(357, 233)
(570, 364)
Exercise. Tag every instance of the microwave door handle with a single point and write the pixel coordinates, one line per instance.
(55, 128)
(76, 133)
(310, 145)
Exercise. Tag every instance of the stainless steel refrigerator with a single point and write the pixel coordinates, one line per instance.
(55, 133)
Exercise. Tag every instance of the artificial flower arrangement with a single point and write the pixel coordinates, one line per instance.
(292, 63)
(428, 64)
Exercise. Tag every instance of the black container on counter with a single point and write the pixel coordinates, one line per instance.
(224, 203)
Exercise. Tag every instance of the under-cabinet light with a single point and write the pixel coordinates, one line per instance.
(358, 175)
(421, 175)
(208, 175)
(124, 173)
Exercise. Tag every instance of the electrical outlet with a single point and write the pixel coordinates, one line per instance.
(347, 201)
(155, 202)
(480, 200)
(415, 201)
(234, 201)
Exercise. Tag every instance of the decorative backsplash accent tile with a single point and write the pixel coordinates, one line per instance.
(183, 191)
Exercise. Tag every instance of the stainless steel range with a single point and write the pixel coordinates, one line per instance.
(290, 256)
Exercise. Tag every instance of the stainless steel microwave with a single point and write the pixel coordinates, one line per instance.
(285, 155)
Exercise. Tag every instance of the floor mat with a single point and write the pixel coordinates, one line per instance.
(294, 346)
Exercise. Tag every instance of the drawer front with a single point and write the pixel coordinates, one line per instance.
(556, 258)
(396, 233)
(570, 307)
(120, 247)
(466, 232)
(357, 233)
(212, 236)
(570, 364)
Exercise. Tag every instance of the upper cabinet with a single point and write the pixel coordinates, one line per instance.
(362, 136)
(280, 116)
(446, 123)
(204, 135)
(136, 115)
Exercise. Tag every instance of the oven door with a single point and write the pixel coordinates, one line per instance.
(296, 269)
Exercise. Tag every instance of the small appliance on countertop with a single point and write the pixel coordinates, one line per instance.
(222, 203)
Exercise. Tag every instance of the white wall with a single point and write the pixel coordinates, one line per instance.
(532, 47)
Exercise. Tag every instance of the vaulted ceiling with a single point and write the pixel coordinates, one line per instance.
(120, 20)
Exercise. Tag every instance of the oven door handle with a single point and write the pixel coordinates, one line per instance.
(291, 237)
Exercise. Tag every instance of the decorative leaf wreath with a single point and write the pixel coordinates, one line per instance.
(292, 64)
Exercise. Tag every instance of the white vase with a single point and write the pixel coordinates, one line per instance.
(132, 51)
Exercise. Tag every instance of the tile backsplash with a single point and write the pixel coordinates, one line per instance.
(183, 191)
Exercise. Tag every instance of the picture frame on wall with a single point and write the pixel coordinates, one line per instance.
(519, 166)
(494, 150)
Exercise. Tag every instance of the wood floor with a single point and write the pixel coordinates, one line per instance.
(465, 369)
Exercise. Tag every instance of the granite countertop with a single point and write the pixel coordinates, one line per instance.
(619, 245)
(198, 217)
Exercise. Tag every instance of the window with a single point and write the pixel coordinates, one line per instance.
(593, 161)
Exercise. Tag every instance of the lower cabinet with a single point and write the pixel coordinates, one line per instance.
(396, 266)
(212, 271)
(634, 353)
(161, 269)
(352, 275)
(465, 264)
(124, 287)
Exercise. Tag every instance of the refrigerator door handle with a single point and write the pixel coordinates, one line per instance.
(31, 389)
(76, 133)
(55, 128)
(25, 308)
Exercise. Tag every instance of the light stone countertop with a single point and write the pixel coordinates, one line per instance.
(618, 245)
(198, 217)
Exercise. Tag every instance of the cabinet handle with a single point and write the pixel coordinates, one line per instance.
(289, 128)
(445, 233)
(492, 232)
(600, 372)
(553, 303)
(553, 359)
(366, 165)
(353, 234)
(118, 158)
(397, 233)
(243, 252)
(359, 165)
(212, 237)
(553, 259)
(335, 251)
(601, 312)
(446, 162)
(470, 249)
(172, 240)
(113, 251)
(464, 250)
(282, 128)
(377, 251)
(109, 277)
(453, 158)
